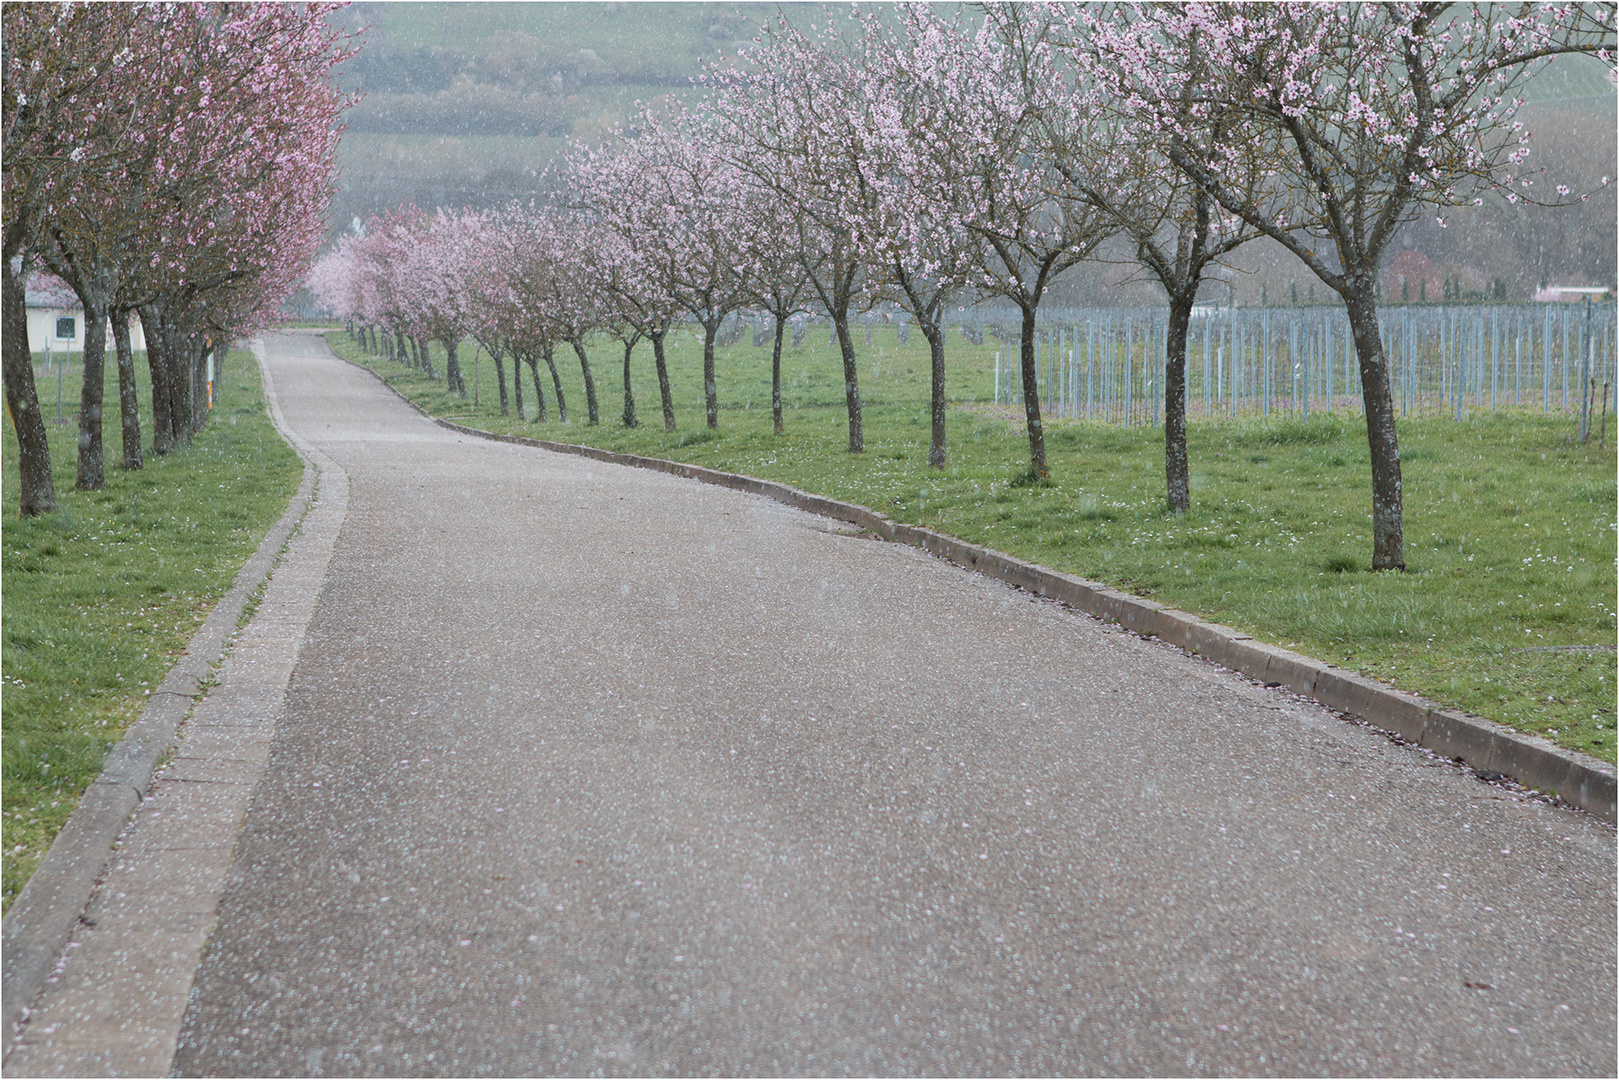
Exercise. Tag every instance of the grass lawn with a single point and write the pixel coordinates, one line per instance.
(1509, 522)
(101, 598)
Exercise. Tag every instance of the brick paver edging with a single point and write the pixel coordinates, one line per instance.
(1577, 778)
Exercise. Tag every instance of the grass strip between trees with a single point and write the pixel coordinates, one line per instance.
(1506, 610)
(102, 597)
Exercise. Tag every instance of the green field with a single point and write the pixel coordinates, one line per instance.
(1509, 521)
(101, 597)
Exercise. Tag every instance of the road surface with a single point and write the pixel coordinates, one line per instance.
(585, 769)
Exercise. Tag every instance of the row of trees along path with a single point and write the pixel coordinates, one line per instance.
(174, 161)
(924, 159)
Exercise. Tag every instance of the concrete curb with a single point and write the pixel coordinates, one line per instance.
(1577, 778)
(39, 922)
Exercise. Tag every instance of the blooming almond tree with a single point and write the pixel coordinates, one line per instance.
(332, 280)
(247, 238)
(485, 260)
(674, 199)
(906, 188)
(433, 283)
(553, 272)
(1366, 113)
(208, 185)
(1177, 228)
(628, 256)
(504, 319)
(377, 254)
(242, 231)
(638, 305)
(783, 120)
(1003, 179)
(574, 302)
(388, 254)
(58, 60)
(491, 302)
(551, 278)
(704, 268)
(776, 272)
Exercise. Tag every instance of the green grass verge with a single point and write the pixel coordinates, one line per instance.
(1509, 522)
(101, 597)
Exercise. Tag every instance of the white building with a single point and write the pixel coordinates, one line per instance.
(1566, 294)
(56, 319)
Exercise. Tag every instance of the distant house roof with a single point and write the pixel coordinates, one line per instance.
(1555, 293)
(49, 291)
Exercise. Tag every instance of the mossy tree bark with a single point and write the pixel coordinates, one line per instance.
(38, 495)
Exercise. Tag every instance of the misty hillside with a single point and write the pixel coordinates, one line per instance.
(466, 103)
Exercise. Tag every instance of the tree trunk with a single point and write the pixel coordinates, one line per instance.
(91, 472)
(711, 398)
(129, 406)
(1388, 531)
(500, 377)
(22, 401)
(934, 332)
(629, 391)
(1031, 399)
(775, 376)
(663, 381)
(539, 391)
(556, 382)
(177, 374)
(452, 368)
(590, 381)
(1176, 474)
(177, 378)
(517, 383)
(182, 382)
(157, 363)
(424, 356)
(834, 292)
(851, 382)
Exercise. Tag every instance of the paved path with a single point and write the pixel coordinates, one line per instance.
(584, 769)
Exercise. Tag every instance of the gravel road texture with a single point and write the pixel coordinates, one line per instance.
(587, 769)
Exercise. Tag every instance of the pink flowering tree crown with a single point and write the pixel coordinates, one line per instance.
(1362, 115)
(1365, 112)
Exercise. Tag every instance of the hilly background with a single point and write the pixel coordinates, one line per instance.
(465, 104)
